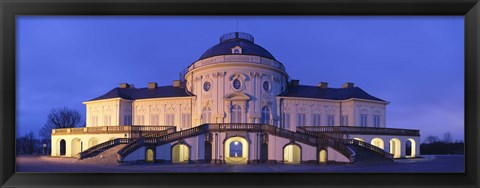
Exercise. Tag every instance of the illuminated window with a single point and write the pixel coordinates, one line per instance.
(106, 120)
(170, 119)
(154, 119)
(186, 121)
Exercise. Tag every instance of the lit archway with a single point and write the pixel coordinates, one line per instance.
(378, 142)
(76, 147)
(410, 143)
(62, 147)
(359, 139)
(395, 147)
(180, 153)
(150, 155)
(323, 156)
(236, 150)
(292, 154)
(92, 142)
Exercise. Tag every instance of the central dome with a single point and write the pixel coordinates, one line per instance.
(233, 40)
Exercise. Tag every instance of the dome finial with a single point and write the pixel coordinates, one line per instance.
(236, 35)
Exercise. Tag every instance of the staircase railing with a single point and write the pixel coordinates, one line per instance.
(369, 147)
(362, 130)
(103, 146)
(350, 141)
(160, 139)
(305, 137)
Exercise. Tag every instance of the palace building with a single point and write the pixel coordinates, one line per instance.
(237, 104)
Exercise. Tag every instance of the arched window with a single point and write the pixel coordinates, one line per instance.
(236, 114)
(206, 115)
(265, 115)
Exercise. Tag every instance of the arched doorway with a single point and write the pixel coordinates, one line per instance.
(265, 115)
(378, 142)
(76, 147)
(92, 142)
(236, 114)
(180, 153)
(236, 150)
(410, 148)
(62, 148)
(150, 155)
(395, 148)
(292, 154)
(323, 156)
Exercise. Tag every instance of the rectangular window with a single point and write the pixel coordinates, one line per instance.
(186, 121)
(94, 120)
(286, 121)
(127, 119)
(316, 120)
(363, 120)
(140, 120)
(154, 119)
(106, 120)
(344, 120)
(170, 119)
(376, 121)
(330, 120)
(301, 120)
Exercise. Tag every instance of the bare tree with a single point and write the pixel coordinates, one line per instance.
(447, 137)
(431, 139)
(60, 118)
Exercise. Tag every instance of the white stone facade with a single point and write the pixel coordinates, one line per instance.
(236, 88)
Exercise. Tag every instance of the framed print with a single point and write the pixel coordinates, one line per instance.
(310, 93)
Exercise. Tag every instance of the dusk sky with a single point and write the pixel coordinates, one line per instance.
(414, 62)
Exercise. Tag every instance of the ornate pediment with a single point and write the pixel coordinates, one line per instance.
(237, 96)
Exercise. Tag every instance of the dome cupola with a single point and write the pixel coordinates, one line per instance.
(237, 43)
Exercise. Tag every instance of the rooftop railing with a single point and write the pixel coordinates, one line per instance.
(232, 58)
(113, 129)
(362, 130)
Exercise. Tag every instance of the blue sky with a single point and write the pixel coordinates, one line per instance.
(414, 62)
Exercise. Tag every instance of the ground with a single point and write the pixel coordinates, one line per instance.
(428, 163)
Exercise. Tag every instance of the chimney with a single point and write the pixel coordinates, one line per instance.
(323, 85)
(124, 85)
(347, 85)
(152, 85)
(176, 83)
(295, 82)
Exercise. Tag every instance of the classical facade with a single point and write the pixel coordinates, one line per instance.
(237, 104)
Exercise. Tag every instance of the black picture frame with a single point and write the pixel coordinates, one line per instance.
(11, 8)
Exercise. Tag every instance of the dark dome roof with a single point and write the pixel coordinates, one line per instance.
(230, 40)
